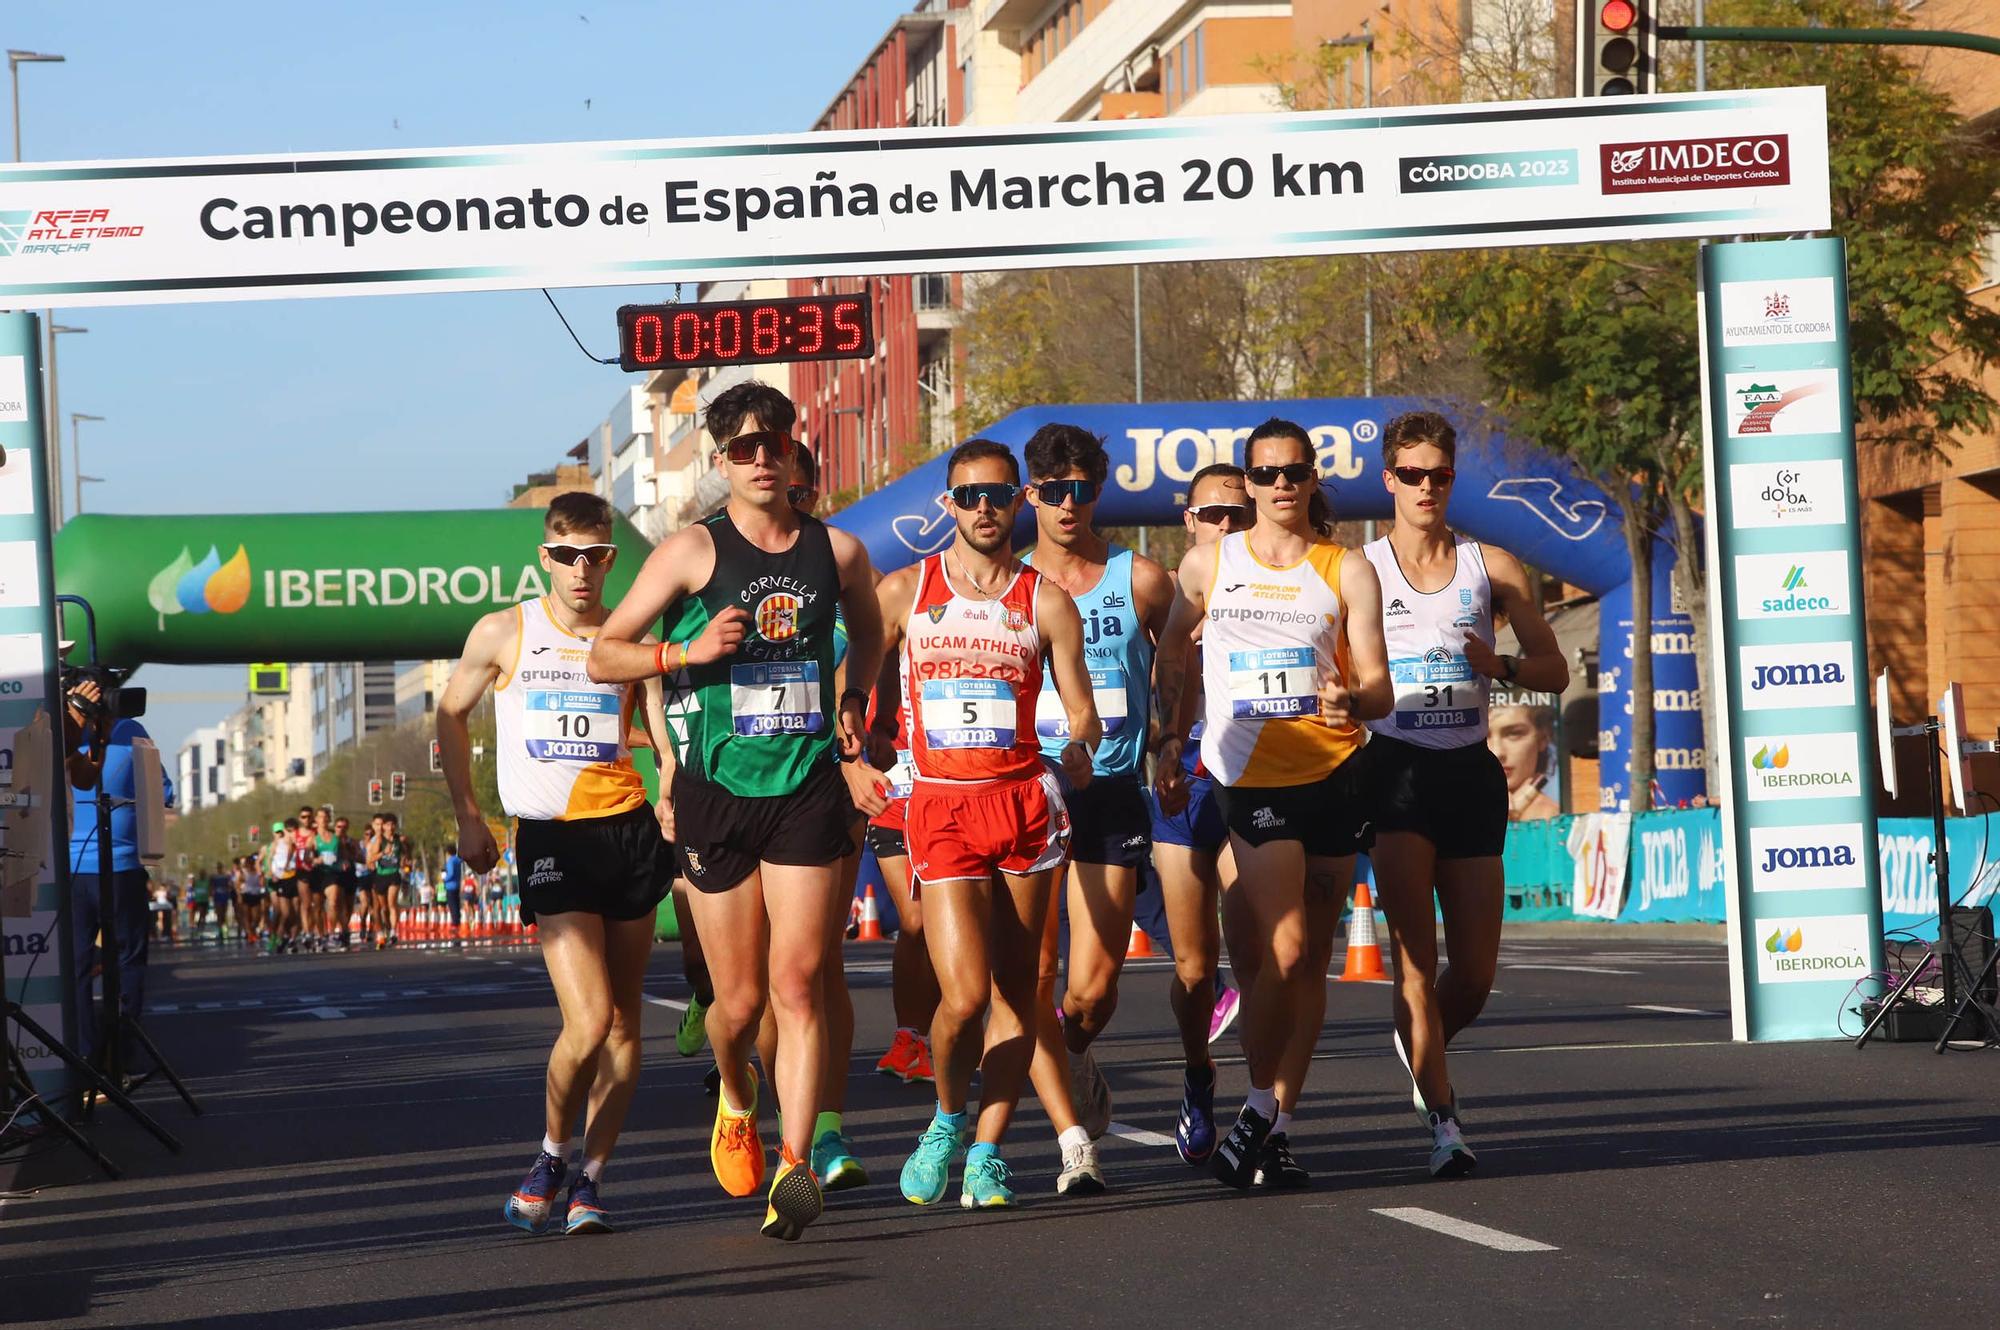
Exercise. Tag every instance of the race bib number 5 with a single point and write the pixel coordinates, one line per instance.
(1107, 689)
(779, 698)
(968, 713)
(1276, 682)
(570, 727)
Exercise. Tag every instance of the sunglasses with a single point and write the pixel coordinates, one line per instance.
(799, 495)
(1413, 476)
(1214, 514)
(995, 492)
(575, 555)
(1296, 472)
(1053, 492)
(742, 449)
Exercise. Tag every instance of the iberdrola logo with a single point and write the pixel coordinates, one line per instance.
(211, 586)
(1780, 942)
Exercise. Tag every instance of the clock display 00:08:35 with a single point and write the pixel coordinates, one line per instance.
(740, 332)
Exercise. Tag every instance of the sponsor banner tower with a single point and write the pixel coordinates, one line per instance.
(1784, 549)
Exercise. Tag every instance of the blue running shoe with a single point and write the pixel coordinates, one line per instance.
(1194, 1135)
(834, 1164)
(533, 1205)
(927, 1172)
(986, 1178)
(585, 1214)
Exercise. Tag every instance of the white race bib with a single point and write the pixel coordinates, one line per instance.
(967, 713)
(1107, 689)
(1274, 683)
(902, 776)
(1436, 691)
(559, 726)
(779, 698)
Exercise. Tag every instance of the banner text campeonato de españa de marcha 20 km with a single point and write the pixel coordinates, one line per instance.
(924, 200)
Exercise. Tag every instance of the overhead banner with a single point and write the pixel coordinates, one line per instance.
(1789, 636)
(919, 200)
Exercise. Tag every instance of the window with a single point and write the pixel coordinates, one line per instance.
(379, 700)
(1200, 63)
(1169, 83)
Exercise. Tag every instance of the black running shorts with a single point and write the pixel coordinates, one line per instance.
(1110, 822)
(618, 866)
(724, 836)
(1455, 798)
(887, 842)
(1329, 816)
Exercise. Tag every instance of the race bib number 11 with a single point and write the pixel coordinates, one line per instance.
(1274, 683)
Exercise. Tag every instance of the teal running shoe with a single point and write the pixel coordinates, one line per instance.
(986, 1178)
(693, 1034)
(927, 1172)
(834, 1164)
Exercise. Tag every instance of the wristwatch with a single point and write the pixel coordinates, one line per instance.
(1513, 665)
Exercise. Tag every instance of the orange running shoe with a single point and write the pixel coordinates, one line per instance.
(896, 1062)
(795, 1199)
(918, 1068)
(734, 1150)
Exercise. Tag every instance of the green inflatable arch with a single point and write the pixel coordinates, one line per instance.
(306, 586)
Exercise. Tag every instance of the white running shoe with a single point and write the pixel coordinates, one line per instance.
(1080, 1174)
(1090, 1093)
(1451, 1157)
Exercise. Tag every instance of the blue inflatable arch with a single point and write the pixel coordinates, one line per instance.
(1510, 493)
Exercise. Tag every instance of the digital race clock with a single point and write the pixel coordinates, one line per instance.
(745, 332)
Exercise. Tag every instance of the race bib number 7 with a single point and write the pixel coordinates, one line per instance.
(1275, 683)
(967, 713)
(778, 698)
(570, 727)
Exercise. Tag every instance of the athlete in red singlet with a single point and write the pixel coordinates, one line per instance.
(975, 625)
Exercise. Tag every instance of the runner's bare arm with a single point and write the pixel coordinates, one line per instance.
(892, 598)
(864, 636)
(1175, 666)
(682, 563)
(493, 640)
(1369, 695)
(1062, 628)
(1540, 666)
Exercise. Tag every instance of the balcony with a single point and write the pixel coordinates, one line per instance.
(936, 313)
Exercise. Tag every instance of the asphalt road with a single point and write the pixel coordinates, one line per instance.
(366, 1116)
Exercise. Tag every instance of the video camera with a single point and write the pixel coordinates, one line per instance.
(115, 701)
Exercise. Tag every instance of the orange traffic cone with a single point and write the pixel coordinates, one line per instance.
(1364, 951)
(871, 918)
(1140, 947)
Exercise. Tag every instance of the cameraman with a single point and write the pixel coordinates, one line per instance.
(97, 751)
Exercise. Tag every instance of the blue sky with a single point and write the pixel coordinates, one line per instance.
(389, 402)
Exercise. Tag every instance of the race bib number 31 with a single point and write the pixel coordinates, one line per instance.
(968, 713)
(1437, 691)
(778, 698)
(570, 727)
(1107, 689)
(1276, 682)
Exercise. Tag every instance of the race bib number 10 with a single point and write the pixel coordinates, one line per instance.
(968, 713)
(778, 698)
(1274, 683)
(570, 727)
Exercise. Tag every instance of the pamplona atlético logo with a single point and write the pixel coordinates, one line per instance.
(208, 587)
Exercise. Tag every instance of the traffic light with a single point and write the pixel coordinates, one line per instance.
(397, 784)
(437, 758)
(375, 793)
(1617, 47)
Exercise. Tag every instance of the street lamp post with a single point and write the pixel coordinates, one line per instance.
(53, 434)
(76, 455)
(55, 430)
(1366, 41)
(15, 59)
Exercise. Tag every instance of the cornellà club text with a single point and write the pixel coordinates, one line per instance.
(1201, 181)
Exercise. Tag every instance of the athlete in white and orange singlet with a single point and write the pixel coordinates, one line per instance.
(975, 625)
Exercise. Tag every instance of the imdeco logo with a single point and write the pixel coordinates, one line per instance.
(1751, 162)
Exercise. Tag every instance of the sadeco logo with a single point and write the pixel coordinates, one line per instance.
(208, 587)
(1791, 586)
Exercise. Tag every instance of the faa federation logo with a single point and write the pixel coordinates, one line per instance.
(778, 616)
(208, 587)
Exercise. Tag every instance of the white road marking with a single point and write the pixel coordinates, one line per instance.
(327, 1013)
(1573, 969)
(157, 1008)
(675, 1003)
(1462, 1229)
(1673, 1011)
(207, 1006)
(371, 997)
(1139, 1135)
